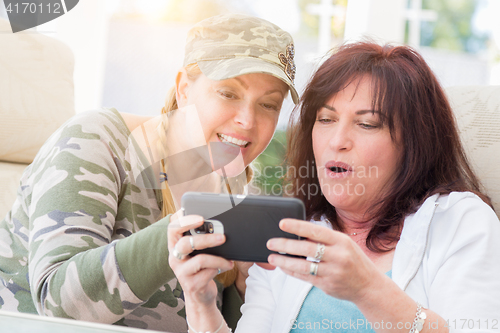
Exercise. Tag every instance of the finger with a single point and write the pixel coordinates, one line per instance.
(176, 230)
(198, 283)
(203, 262)
(297, 247)
(190, 221)
(305, 277)
(200, 242)
(311, 231)
(299, 266)
(185, 223)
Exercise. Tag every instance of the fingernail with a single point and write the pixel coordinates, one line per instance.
(282, 224)
(270, 244)
(270, 259)
(219, 238)
(190, 219)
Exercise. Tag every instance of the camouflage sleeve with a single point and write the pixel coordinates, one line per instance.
(146, 251)
(73, 268)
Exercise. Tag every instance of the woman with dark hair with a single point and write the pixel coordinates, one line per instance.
(401, 239)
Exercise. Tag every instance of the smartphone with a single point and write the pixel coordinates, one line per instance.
(247, 221)
(208, 227)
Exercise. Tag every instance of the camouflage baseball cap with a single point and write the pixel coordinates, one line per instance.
(230, 45)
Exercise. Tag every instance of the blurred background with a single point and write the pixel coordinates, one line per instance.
(127, 52)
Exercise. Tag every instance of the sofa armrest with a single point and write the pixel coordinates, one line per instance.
(10, 174)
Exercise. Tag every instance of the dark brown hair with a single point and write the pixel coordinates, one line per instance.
(413, 104)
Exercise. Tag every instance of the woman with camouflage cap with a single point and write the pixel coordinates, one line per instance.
(87, 235)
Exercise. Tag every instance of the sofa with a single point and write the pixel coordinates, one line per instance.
(36, 97)
(477, 110)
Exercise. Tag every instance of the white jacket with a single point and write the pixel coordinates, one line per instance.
(448, 259)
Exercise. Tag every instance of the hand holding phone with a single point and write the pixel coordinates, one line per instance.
(247, 221)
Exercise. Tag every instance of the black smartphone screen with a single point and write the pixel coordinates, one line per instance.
(248, 225)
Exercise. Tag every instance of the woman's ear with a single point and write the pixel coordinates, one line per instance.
(182, 83)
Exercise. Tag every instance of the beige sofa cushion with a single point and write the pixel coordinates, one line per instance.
(477, 110)
(36, 91)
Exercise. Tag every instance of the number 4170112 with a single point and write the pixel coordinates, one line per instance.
(34, 8)
(473, 324)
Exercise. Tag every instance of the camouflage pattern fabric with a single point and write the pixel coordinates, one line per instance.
(82, 241)
(229, 45)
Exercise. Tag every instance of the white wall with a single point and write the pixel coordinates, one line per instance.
(378, 19)
(84, 29)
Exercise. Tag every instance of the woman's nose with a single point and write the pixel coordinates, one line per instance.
(341, 138)
(245, 116)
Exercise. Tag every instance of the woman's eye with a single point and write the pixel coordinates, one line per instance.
(324, 120)
(367, 126)
(227, 94)
(270, 107)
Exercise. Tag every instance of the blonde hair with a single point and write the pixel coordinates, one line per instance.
(168, 205)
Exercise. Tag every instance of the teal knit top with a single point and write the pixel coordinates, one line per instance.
(323, 313)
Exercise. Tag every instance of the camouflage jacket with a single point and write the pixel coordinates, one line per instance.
(82, 241)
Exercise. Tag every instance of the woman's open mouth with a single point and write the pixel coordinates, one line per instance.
(233, 141)
(338, 169)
